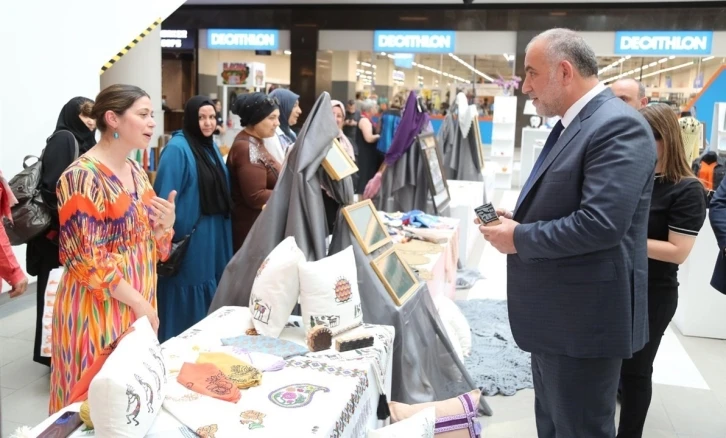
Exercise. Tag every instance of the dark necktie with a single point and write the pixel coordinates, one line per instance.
(551, 140)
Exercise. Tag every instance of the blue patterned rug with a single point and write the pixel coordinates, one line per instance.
(496, 364)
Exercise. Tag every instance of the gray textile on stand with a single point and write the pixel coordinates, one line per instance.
(461, 161)
(496, 363)
(295, 208)
(466, 278)
(425, 365)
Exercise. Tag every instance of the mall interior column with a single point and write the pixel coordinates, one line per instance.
(384, 77)
(141, 66)
(410, 81)
(303, 63)
(344, 75)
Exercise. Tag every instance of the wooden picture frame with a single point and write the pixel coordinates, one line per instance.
(367, 226)
(337, 162)
(395, 274)
(479, 145)
(433, 162)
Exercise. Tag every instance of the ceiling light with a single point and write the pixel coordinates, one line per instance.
(653, 64)
(465, 64)
(707, 59)
(671, 57)
(661, 61)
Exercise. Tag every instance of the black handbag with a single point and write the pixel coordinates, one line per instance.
(171, 266)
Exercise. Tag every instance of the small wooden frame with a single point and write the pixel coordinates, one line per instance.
(367, 226)
(479, 145)
(337, 162)
(396, 276)
(438, 186)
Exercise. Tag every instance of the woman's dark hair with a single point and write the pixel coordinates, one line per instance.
(117, 98)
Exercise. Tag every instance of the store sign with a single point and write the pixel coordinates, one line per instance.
(663, 43)
(414, 41)
(243, 39)
(177, 39)
(403, 60)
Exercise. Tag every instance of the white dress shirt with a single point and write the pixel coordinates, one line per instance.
(580, 104)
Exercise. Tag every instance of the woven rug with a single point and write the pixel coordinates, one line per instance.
(496, 364)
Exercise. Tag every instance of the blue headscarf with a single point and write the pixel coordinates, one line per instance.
(286, 101)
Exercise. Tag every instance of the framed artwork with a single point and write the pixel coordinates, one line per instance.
(479, 146)
(396, 276)
(438, 186)
(338, 163)
(367, 226)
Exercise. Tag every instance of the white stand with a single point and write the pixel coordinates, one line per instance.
(503, 130)
(718, 132)
(465, 197)
(701, 308)
(530, 136)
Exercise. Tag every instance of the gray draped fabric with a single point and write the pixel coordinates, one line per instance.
(295, 208)
(405, 185)
(425, 366)
(461, 162)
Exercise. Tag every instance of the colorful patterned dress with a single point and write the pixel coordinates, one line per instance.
(105, 236)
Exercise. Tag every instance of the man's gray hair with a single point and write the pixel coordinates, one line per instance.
(368, 105)
(567, 45)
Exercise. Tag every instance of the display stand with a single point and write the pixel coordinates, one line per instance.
(718, 132)
(700, 307)
(465, 197)
(503, 132)
(530, 137)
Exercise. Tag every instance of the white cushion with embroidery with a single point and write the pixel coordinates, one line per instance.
(276, 288)
(419, 425)
(126, 395)
(329, 292)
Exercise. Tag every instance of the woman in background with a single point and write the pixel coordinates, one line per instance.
(10, 270)
(677, 212)
(369, 159)
(331, 206)
(75, 126)
(191, 164)
(253, 170)
(290, 111)
(113, 231)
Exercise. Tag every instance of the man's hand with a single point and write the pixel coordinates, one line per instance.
(501, 236)
(507, 214)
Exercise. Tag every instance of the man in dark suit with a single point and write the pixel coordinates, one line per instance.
(717, 217)
(577, 270)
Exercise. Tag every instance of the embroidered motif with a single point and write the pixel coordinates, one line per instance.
(161, 362)
(429, 429)
(295, 396)
(133, 397)
(207, 431)
(187, 433)
(188, 397)
(260, 310)
(262, 267)
(219, 384)
(316, 429)
(361, 426)
(149, 393)
(330, 321)
(252, 419)
(244, 376)
(343, 291)
(292, 324)
(325, 368)
(190, 334)
(155, 375)
(358, 310)
(225, 312)
(350, 407)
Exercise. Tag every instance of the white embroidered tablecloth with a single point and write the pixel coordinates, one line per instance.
(324, 394)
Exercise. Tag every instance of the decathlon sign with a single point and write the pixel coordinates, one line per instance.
(663, 43)
(414, 41)
(243, 39)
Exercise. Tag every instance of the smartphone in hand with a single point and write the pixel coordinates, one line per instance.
(487, 215)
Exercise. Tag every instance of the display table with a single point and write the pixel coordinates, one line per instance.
(344, 405)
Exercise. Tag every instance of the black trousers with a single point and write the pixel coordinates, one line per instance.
(637, 372)
(43, 274)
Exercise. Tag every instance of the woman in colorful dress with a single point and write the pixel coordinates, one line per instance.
(113, 230)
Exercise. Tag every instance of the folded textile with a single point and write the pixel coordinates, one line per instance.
(241, 373)
(207, 379)
(418, 219)
(262, 361)
(266, 344)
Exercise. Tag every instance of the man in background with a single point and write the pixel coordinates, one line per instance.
(631, 92)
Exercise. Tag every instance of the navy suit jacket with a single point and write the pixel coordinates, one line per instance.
(717, 217)
(578, 285)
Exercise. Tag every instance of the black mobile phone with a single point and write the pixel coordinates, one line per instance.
(487, 214)
(65, 425)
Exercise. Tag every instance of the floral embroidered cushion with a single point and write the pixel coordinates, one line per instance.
(455, 417)
(125, 396)
(420, 424)
(276, 288)
(329, 293)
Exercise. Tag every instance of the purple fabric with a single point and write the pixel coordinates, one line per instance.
(461, 421)
(412, 122)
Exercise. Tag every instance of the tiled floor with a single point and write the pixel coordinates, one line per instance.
(681, 409)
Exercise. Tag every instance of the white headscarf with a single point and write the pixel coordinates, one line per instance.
(465, 114)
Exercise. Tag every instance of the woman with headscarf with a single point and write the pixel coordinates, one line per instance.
(192, 165)
(284, 138)
(331, 206)
(252, 168)
(74, 126)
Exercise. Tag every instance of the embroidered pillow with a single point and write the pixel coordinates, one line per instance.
(276, 288)
(329, 293)
(125, 396)
(267, 345)
(418, 425)
(455, 417)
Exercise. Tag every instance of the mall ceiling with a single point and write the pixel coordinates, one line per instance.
(416, 2)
